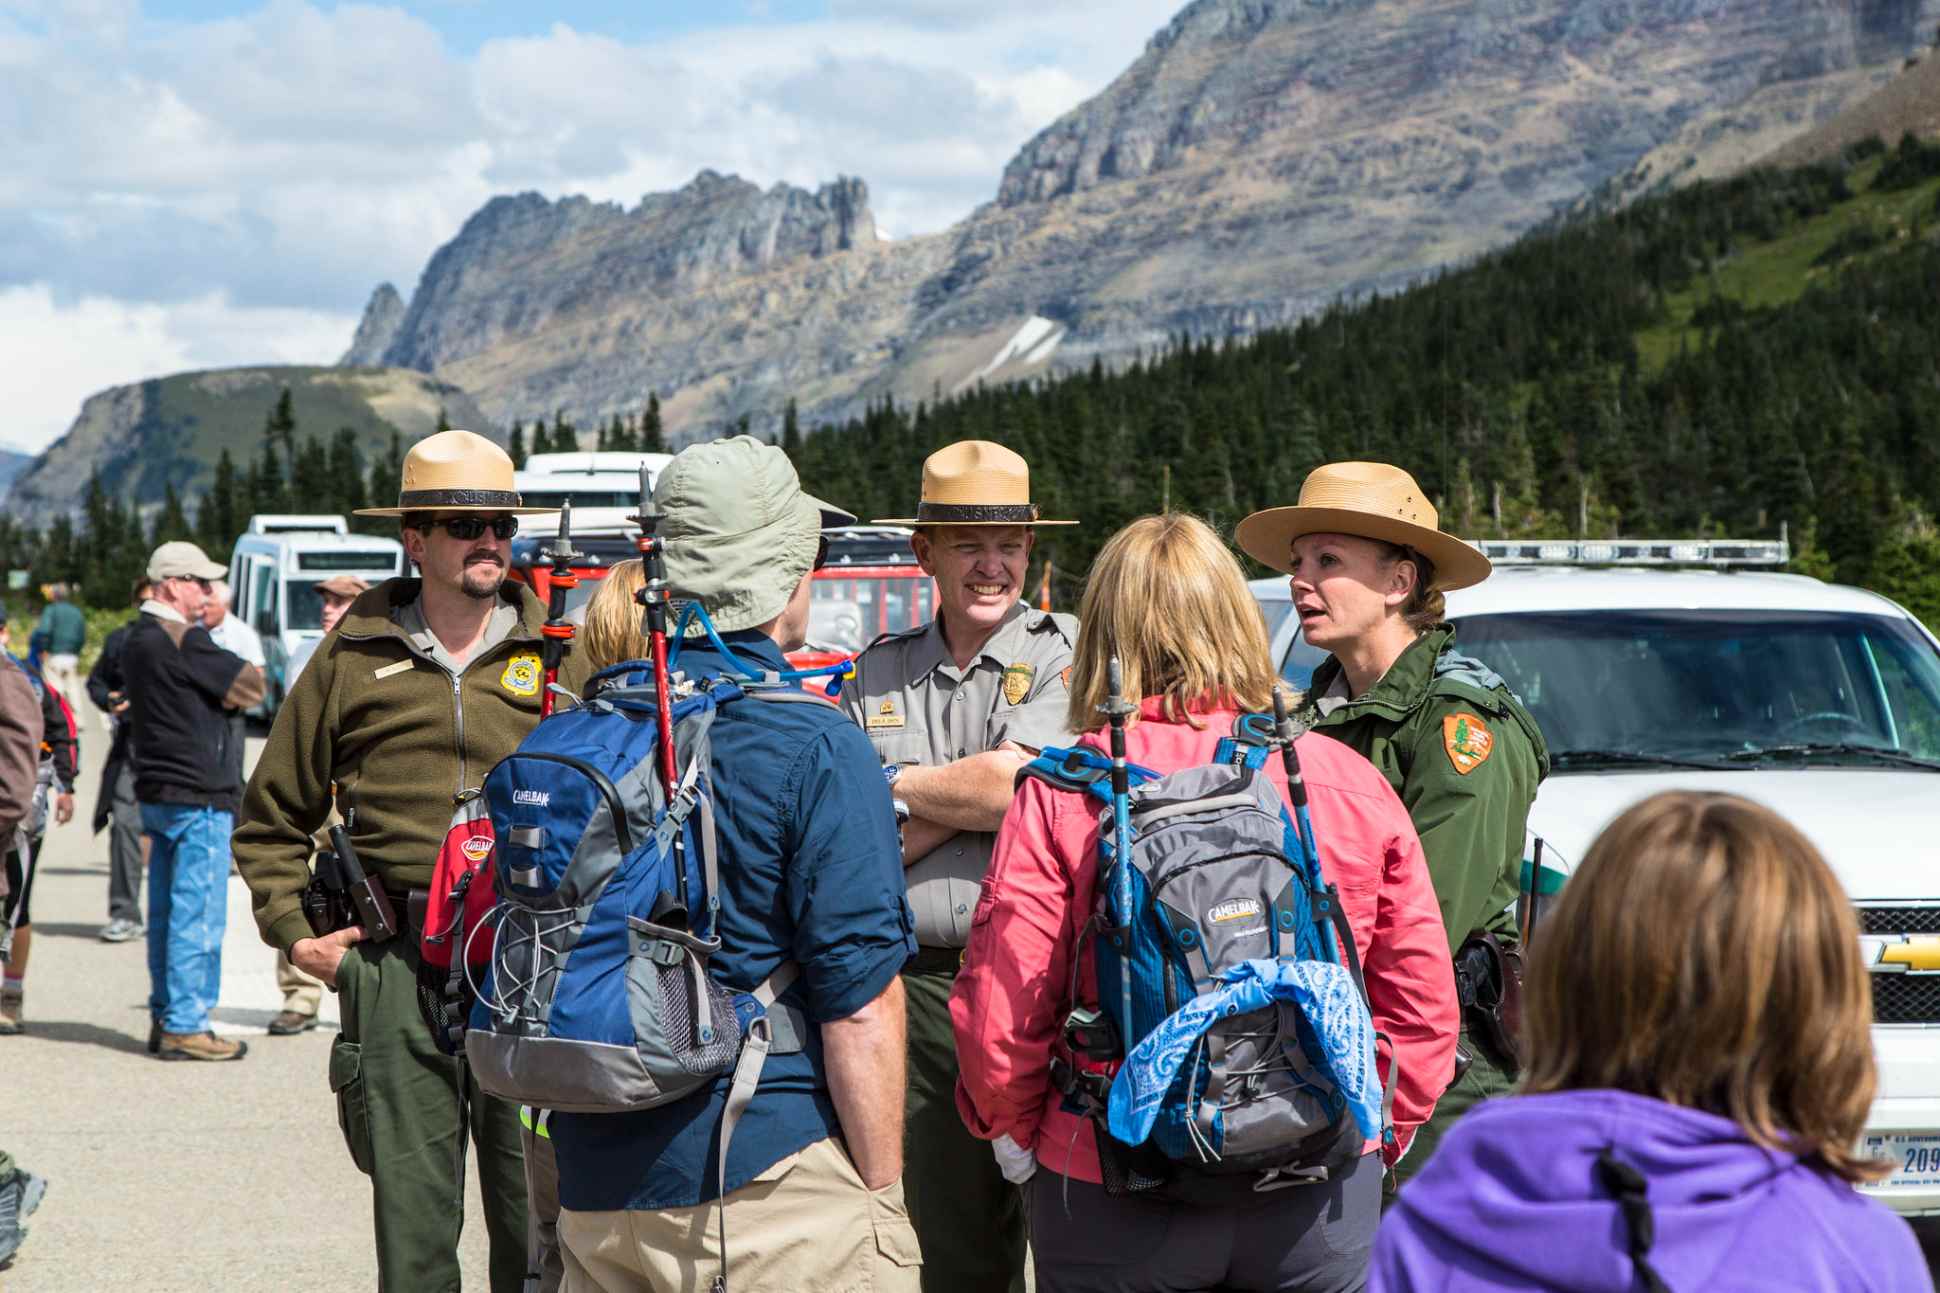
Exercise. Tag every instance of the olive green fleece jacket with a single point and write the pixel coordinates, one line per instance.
(397, 735)
(1464, 756)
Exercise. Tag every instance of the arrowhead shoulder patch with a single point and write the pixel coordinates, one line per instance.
(1017, 682)
(1468, 742)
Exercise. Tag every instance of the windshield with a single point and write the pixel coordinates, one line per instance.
(1737, 686)
(846, 614)
(1298, 663)
(581, 497)
(305, 610)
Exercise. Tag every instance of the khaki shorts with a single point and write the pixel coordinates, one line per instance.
(806, 1225)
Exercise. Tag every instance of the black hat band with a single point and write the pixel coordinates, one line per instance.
(422, 500)
(976, 513)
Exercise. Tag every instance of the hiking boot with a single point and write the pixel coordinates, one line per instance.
(289, 1023)
(121, 930)
(200, 1046)
(13, 1013)
(19, 1196)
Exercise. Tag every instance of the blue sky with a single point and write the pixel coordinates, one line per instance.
(206, 183)
(468, 24)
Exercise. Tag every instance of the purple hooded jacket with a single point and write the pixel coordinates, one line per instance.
(1516, 1201)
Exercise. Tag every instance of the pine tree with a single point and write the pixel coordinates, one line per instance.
(219, 519)
(653, 437)
(346, 472)
(279, 428)
(791, 432)
(565, 436)
(515, 446)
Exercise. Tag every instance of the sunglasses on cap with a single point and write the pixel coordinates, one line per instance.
(467, 528)
(821, 552)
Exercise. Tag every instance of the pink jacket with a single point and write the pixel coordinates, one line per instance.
(1009, 1002)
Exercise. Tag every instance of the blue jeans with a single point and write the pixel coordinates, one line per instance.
(188, 901)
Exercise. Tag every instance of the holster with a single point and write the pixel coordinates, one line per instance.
(1488, 982)
(325, 900)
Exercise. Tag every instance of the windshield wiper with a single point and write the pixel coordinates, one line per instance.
(1810, 749)
(1633, 758)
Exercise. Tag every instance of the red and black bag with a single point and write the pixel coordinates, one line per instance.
(455, 947)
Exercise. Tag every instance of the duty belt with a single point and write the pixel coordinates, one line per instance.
(413, 905)
(935, 960)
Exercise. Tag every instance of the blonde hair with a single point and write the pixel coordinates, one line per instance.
(612, 632)
(1704, 954)
(1167, 598)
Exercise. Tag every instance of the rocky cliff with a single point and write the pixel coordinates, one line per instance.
(144, 437)
(1261, 158)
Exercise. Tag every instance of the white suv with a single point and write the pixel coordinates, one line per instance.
(1820, 701)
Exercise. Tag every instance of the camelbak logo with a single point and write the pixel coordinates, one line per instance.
(1232, 910)
(537, 798)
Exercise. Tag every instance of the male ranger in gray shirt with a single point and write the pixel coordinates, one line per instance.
(954, 709)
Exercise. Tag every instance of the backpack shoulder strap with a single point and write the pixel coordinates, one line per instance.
(747, 1076)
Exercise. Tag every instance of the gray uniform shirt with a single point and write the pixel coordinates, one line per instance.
(916, 706)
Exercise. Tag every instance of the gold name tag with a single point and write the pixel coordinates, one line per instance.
(390, 669)
(881, 722)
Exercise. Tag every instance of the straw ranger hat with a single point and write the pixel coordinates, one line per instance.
(456, 471)
(1372, 500)
(974, 482)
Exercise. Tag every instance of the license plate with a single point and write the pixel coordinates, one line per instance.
(1915, 1158)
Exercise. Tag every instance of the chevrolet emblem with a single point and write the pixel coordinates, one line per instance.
(1901, 953)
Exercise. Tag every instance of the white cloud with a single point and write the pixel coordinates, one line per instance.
(187, 193)
(60, 353)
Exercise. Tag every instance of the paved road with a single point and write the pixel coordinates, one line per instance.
(173, 1176)
(179, 1176)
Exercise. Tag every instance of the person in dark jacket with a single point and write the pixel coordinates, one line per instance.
(180, 682)
(20, 739)
(59, 754)
(1701, 1070)
(114, 801)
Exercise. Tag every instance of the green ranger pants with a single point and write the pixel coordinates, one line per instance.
(404, 1109)
(968, 1218)
(1486, 1078)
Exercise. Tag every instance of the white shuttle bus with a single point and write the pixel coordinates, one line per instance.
(274, 570)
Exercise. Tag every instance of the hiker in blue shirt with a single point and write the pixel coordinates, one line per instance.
(810, 870)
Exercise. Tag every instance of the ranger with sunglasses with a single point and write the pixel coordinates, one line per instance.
(423, 686)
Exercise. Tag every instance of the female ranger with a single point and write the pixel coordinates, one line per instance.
(1369, 565)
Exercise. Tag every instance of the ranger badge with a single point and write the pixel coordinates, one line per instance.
(521, 676)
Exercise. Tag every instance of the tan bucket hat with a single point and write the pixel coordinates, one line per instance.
(740, 530)
(456, 471)
(974, 482)
(1372, 500)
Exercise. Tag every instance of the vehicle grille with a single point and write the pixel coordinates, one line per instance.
(1923, 918)
(1906, 998)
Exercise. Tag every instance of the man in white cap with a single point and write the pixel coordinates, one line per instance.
(179, 685)
(423, 686)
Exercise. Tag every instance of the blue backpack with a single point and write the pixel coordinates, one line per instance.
(598, 997)
(1233, 1038)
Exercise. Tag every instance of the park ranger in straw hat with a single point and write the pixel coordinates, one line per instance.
(954, 709)
(425, 684)
(1369, 562)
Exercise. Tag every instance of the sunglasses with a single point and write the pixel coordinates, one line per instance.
(467, 528)
(821, 552)
(203, 584)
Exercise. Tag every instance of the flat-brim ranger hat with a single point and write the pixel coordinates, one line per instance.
(974, 482)
(1371, 500)
(456, 471)
(740, 531)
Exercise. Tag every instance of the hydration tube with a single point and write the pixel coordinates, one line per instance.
(694, 612)
(1116, 710)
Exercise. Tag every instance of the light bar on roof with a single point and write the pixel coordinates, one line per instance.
(1635, 552)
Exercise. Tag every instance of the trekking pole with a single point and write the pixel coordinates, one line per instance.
(1297, 792)
(1116, 710)
(653, 596)
(558, 630)
(1532, 896)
